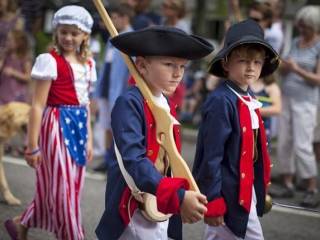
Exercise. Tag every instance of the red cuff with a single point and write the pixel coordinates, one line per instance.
(167, 195)
(124, 210)
(216, 208)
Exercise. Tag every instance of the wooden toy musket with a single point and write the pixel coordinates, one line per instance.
(163, 118)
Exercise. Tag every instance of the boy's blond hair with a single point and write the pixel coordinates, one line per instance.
(251, 51)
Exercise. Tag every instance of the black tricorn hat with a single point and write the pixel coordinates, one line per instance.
(245, 32)
(162, 41)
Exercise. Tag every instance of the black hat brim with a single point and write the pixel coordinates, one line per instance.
(161, 41)
(270, 65)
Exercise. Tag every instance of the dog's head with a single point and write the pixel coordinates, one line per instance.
(14, 117)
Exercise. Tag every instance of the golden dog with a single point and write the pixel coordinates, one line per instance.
(14, 117)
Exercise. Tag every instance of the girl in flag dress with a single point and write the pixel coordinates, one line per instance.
(59, 134)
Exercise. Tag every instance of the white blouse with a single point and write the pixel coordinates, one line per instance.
(45, 68)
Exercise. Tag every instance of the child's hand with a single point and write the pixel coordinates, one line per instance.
(89, 151)
(193, 207)
(33, 160)
(290, 65)
(8, 71)
(214, 221)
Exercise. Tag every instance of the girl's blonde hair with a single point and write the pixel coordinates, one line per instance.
(83, 52)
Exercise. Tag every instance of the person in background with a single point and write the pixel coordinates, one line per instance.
(261, 13)
(274, 35)
(174, 12)
(267, 91)
(15, 69)
(143, 16)
(9, 20)
(113, 80)
(300, 71)
(59, 134)
(203, 84)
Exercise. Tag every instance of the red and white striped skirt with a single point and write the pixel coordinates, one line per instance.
(59, 183)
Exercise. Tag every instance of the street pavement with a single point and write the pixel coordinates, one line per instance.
(280, 223)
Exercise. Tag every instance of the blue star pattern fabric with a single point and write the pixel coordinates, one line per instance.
(73, 120)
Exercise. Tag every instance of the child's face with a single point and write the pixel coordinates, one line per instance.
(243, 68)
(119, 21)
(70, 37)
(162, 74)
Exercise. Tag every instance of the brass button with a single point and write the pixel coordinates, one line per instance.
(269, 183)
(243, 175)
(241, 202)
(150, 152)
(244, 129)
(271, 165)
(244, 153)
(151, 125)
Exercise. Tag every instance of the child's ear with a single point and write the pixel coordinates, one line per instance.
(225, 65)
(86, 37)
(141, 65)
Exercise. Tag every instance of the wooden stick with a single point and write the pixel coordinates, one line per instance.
(164, 120)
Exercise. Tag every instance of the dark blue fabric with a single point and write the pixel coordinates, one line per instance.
(216, 165)
(73, 122)
(144, 20)
(129, 130)
(105, 81)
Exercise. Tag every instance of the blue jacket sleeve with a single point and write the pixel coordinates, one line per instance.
(213, 135)
(128, 126)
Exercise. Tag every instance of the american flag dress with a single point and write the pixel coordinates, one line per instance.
(60, 176)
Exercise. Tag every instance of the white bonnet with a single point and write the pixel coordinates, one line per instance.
(73, 15)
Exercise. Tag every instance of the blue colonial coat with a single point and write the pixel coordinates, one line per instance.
(224, 168)
(134, 132)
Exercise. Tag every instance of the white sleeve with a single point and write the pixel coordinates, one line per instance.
(45, 67)
(93, 71)
(93, 76)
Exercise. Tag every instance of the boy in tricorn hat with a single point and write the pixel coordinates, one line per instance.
(232, 165)
(161, 55)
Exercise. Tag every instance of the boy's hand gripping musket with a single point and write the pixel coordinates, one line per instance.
(164, 120)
